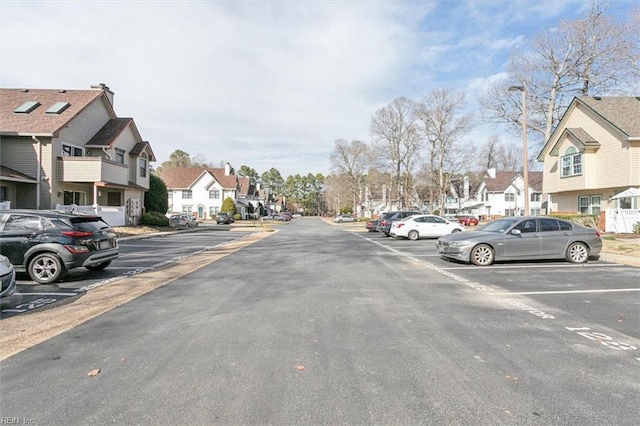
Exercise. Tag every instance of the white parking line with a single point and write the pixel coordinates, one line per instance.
(609, 290)
(529, 266)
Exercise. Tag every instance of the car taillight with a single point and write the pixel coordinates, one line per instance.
(77, 234)
(598, 233)
(400, 225)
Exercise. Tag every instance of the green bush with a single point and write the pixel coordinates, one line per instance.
(237, 216)
(154, 219)
(636, 228)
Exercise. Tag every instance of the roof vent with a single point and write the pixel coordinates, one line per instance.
(597, 98)
(24, 90)
(62, 91)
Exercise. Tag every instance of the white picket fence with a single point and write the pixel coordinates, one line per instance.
(621, 221)
(114, 216)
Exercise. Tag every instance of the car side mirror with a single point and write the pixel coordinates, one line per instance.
(516, 232)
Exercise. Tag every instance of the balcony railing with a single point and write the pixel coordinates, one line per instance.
(92, 169)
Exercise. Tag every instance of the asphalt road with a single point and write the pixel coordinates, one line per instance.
(318, 325)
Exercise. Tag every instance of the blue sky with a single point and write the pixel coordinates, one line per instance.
(268, 83)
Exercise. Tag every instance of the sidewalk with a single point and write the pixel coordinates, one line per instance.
(623, 259)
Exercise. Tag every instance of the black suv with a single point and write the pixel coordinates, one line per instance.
(47, 243)
(388, 218)
(224, 217)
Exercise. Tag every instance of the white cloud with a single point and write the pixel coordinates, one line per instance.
(266, 84)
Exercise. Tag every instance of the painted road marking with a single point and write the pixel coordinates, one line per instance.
(609, 290)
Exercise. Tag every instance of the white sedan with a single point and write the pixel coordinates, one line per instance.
(424, 226)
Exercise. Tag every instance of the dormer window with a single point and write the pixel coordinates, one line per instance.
(571, 162)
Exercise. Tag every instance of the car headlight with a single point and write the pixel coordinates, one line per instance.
(4, 261)
(460, 243)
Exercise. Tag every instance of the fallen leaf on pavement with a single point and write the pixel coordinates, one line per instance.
(94, 373)
(300, 367)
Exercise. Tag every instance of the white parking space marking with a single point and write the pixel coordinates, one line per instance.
(538, 312)
(609, 290)
(532, 266)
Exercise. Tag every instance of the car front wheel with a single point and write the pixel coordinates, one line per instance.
(577, 253)
(413, 235)
(482, 255)
(99, 266)
(46, 268)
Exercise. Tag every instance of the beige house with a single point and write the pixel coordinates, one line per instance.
(68, 147)
(592, 155)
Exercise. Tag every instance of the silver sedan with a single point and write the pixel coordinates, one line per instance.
(522, 238)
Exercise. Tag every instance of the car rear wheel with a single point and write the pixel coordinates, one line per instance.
(482, 255)
(413, 235)
(578, 253)
(99, 266)
(455, 230)
(46, 268)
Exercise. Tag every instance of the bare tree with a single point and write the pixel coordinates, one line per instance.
(394, 133)
(352, 160)
(498, 155)
(593, 55)
(442, 125)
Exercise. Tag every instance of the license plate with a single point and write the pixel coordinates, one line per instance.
(104, 244)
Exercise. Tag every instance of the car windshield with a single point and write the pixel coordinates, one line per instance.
(500, 225)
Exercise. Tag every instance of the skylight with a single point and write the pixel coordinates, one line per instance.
(57, 108)
(27, 107)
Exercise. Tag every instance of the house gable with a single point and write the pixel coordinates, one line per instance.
(601, 135)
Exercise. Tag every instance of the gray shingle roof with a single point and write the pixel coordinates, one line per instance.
(621, 111)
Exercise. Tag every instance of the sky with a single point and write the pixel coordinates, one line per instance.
(268, 84)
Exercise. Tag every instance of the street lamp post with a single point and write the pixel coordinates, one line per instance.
(525, 151)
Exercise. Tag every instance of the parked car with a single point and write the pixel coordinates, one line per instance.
(388, 218)
(423, 226)
(468, 220)
(224, 218)
(522, 238)
(345, 218)
(372, 225)
(46, 244)
(8, 281)
(182, 221)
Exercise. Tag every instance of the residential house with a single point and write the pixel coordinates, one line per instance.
(68, 147)
(502, 194)
(592, 155)
(201, 190)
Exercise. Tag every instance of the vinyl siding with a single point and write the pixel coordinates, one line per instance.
(616, 163)
(82, 128)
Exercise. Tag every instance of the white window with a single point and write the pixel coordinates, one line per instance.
(571, 163)
(536, 197)
(74, 197)
(143, 165)
(509, 196)
(119, 156)
(509, 212)
(71, 150)
(187, 209)
(589, 204)
(187, 195)
(214, 194)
